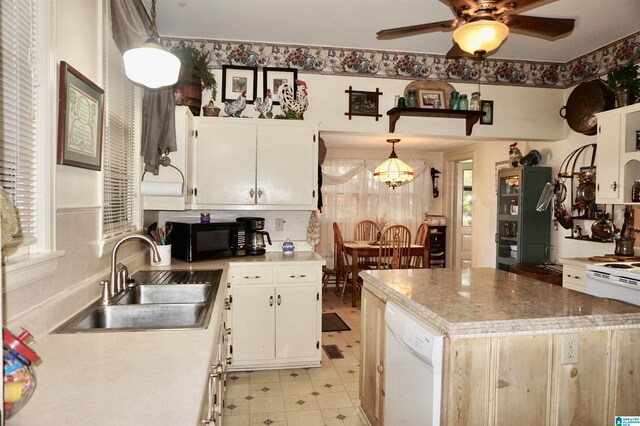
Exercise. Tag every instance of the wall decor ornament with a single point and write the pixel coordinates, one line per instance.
(80, 120)
(237, 79)
(363, 103)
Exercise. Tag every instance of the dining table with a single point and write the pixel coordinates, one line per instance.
(368, 249)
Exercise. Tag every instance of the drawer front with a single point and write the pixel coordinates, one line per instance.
(574, 278)
(305, 274)
(251, 275)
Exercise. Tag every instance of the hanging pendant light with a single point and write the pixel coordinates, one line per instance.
(393, 171)
(151, 64)
(480, 37)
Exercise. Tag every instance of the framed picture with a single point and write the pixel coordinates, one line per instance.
(80, 120)
(431, 99)
(237, 79)
(487, 108)
(273, 78)
(363, 103)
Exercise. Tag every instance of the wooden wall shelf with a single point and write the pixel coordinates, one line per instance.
(471, 117)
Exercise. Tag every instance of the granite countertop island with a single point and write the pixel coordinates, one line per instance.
(486, 301)
(516, 350)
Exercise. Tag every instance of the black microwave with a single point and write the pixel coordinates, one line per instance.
(210, 240)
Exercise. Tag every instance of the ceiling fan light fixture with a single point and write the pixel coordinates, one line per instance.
(151, 64)
(479, 36)
(393, 171)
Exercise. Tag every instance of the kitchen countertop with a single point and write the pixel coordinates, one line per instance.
(485, 301)
(131, 378)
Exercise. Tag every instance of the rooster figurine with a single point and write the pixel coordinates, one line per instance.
(291, 106)
(235, 108)
(514, 154)
(264, 107)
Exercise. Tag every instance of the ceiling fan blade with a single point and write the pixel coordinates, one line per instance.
(415, 29)
(545, 27)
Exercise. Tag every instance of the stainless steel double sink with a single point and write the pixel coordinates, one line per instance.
(157, 300)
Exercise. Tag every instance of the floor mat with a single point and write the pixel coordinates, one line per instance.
(332, 351)
(332, 322)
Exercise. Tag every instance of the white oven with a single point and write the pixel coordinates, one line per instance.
(615, 280)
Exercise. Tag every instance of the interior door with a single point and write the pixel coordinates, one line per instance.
(253, 322)
(463, 222)
(296, 321)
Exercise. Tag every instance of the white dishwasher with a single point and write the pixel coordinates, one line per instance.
(413, 369)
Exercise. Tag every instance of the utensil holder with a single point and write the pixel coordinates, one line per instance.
(165, 255)
(624, 246)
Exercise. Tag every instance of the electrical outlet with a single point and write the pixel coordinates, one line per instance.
(570, 348)
(280, 224)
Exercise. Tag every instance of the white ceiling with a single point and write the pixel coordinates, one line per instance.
(354, 23)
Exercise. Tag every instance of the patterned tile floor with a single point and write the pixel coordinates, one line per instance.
(324, 396)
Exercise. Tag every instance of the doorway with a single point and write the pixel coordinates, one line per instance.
(463, 214)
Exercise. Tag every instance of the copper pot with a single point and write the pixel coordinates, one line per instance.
(584, 102)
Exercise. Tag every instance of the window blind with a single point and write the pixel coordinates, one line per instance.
(120, 210)
(18, 130)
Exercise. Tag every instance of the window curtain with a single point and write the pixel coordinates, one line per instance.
(351, 194)
(130, 24)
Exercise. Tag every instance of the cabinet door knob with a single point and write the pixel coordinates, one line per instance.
(270, 300)
(614, 185)
(259, 192)
(252, 192)
(279, 300)
(380, 369)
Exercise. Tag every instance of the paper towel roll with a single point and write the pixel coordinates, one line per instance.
(165, 189)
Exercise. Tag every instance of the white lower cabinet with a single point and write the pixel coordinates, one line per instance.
(275, 317)
(574, 277)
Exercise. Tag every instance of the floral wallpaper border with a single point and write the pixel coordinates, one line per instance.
(413, 66)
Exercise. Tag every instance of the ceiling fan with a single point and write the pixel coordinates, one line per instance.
(482, 26)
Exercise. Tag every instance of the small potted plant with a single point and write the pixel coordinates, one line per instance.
(195, 76)
(625, 83)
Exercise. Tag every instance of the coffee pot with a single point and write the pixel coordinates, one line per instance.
(255, 235)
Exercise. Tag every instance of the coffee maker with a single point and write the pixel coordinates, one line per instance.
(254, 243)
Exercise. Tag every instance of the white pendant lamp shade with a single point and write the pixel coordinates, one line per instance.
(480, 36)
(151, 65)
(393, 171)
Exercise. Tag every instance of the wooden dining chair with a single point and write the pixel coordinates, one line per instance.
(394, 251)
(421, 240)
(339, 261)
(366, 230)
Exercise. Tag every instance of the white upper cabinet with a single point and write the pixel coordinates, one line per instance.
(246, 164)
(618, 159)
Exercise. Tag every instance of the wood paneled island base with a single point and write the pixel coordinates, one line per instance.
(506, 348)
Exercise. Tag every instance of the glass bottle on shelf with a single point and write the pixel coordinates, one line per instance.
(454, 100)
(635, 191)
(412, 100)
(474, 103)
(464, 102)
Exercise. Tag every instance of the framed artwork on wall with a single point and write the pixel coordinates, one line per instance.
(431, 99)
(80, 120)
(273, 78)
(237, 79)
(362, 103)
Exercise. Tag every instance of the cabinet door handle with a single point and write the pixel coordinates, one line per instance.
(380, 368)
(270, 300)
(251, 277)
(252, 192)
(259, 192)
(279, 300)
(298, 276)
(614, 185)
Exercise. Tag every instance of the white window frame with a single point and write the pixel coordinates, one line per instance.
(38, 259)
(107, 239)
